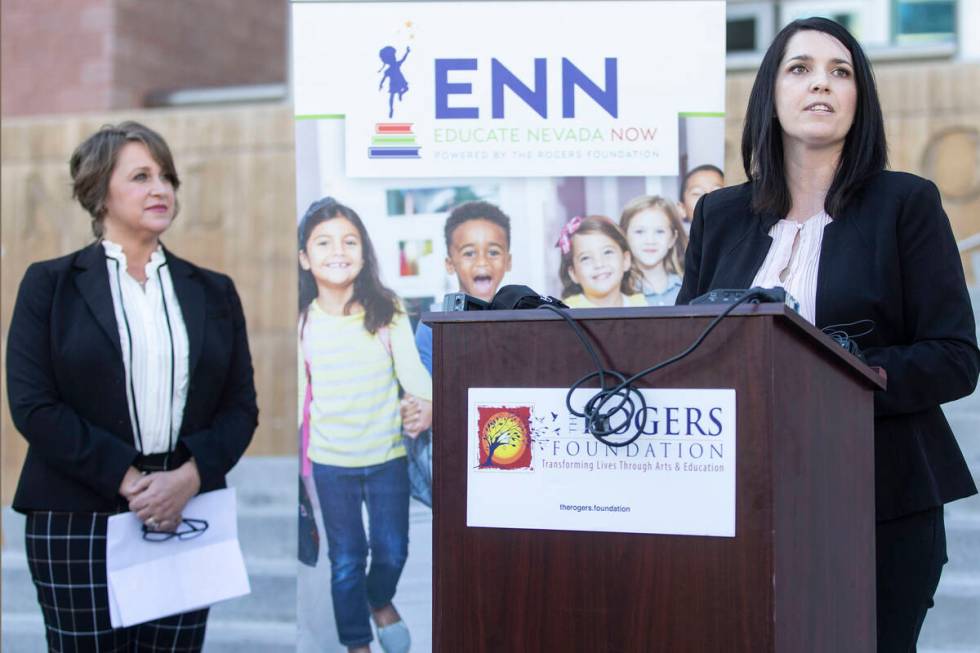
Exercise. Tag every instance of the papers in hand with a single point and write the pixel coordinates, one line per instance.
(151, 580)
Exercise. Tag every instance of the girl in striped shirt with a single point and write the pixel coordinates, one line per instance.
(356, 347)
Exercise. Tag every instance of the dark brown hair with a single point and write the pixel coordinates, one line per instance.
(865, 151)
(596, 224)
(93, 161)
(380, 303)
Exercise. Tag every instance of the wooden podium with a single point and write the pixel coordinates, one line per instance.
(797, 576)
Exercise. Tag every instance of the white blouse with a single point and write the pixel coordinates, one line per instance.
(154, 346)
(794, 260)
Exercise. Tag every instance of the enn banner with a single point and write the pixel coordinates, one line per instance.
(532, 464)
(462, 146)
(510, 88)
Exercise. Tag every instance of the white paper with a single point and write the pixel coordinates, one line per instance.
(151, 580)
(678, 478)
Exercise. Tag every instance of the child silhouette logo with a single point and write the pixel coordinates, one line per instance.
(392, 67)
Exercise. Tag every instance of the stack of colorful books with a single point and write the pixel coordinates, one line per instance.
(393, 140)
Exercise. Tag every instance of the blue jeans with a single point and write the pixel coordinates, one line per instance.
(342, 491)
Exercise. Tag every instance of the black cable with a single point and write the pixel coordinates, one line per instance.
(598, 418)
(172, 444)
(597, 422)
(839, 334)
(839, 331)
(129, 336)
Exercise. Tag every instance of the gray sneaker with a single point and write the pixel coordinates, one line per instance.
(395, 638)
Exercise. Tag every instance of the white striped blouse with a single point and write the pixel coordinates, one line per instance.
(154, 347)
(794, 260)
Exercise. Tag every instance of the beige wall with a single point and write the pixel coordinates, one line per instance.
(238, 206)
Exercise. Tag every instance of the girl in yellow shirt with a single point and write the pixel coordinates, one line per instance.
(356, 347)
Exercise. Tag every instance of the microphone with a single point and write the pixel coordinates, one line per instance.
(521, 297)
(777, 295)
(460, 301)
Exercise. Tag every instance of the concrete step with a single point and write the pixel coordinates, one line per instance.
(963, 541)
(273, 597)
(968, 508)
(266, 489)
(953, 624)
(263, 621)
(26, 633)
(249, 637)
(266, 481)
(13, 530)
(267, 531)
(966, 426)
(19, 595)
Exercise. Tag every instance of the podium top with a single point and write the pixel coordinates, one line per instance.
(781, 312)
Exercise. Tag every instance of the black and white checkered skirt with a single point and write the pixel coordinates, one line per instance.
(66, 554)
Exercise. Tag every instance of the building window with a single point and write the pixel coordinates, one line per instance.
(750, 26)
(919, 21)
(741, 35)
(846, 20)
(854, 15)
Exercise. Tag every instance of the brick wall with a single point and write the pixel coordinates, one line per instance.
(55, 56)
(70, 56)
(194, 43)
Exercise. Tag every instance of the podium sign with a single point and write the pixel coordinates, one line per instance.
(532, 464)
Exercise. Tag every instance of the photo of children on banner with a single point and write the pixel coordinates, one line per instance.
(657, 240)
(699, 181)
(597, 269)
(478, 244)
(357, 349)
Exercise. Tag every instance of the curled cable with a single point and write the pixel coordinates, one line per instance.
(614, 409)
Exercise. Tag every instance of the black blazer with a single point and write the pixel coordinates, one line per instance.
(66, 382)
(891, 257)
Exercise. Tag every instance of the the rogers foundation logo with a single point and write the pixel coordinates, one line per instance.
(504, 436)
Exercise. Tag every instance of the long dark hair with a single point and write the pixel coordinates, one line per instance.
(864, 154)
(380, 304)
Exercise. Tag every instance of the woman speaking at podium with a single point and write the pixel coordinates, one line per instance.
(128, 372)
(853, 243)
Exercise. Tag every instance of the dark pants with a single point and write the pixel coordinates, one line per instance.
(911, 553)
(66, 553)
(354, 588)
